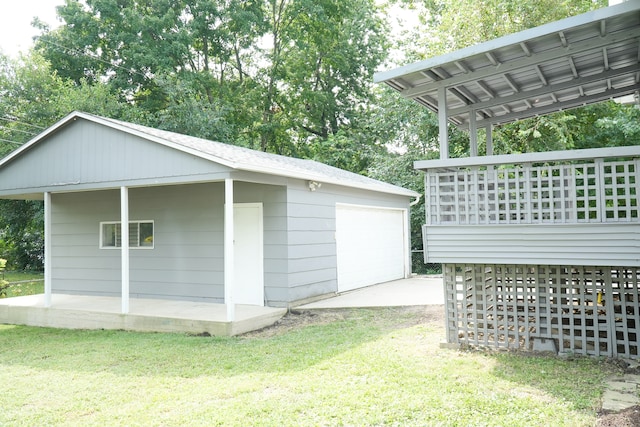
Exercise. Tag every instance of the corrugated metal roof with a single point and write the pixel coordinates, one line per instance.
(561, 65)
(238, 158)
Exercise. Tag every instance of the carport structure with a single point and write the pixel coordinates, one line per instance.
(539, 250)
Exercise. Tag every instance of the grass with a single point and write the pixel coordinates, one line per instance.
(32, 283)
(365, 367)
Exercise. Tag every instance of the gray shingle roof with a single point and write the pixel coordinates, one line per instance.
(238, 158)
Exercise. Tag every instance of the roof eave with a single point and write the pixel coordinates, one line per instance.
(508, 40)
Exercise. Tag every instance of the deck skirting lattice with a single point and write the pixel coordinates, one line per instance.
(585, 310)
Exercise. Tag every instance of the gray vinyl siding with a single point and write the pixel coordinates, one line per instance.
(579, 244)
(185, 263)
(274, 208)
(311, 234)
(86, 153)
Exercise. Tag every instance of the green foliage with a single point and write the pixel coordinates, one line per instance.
(455, 24)
(22, 283)
(21, 234)
(3, 283)
(307, 83)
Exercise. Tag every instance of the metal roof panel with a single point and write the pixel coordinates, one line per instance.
(575, 61)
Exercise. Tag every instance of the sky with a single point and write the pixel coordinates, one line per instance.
(16, 31)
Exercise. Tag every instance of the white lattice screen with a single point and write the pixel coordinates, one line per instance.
(586, 310)
(590, 192)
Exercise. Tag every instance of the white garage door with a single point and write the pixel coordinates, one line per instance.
(371, 245)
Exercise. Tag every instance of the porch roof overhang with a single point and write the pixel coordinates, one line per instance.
(565, 64)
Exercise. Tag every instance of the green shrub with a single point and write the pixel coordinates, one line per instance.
(3, 283)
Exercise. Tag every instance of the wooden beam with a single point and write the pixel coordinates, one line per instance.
(518, 95)
(526, 62)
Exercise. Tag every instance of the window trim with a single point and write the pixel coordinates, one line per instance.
(137, 222)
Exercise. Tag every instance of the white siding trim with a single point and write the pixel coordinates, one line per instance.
(229, 261)
(125, 262)
(47, 249)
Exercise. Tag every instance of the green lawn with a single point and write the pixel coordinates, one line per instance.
(33, 283)
(353, 367)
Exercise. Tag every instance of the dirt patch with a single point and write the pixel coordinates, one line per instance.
(629, 417)
(407, 317)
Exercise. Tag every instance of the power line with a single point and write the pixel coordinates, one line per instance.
(18, 130)
(22, 123)
(76, 52)
(11, 142)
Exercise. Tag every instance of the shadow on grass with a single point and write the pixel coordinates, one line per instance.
(151, 354)
(579, 381)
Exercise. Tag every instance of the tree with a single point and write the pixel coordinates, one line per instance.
(334, 48)
(33, 98)
(22, 234)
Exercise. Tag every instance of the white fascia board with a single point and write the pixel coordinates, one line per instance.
(547, 156)
(511, 39)
(89, 117)
(325, 179)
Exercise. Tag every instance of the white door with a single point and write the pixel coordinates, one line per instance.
(371, 245)
(248, 254)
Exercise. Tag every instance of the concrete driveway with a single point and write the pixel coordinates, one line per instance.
(418, 290)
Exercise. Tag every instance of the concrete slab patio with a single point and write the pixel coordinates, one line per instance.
(156, 315)
(417, 290)
(148, 315)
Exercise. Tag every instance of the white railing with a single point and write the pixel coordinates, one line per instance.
(589, 191)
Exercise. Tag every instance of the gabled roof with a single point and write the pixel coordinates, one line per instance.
(234, 157)
(564, 64)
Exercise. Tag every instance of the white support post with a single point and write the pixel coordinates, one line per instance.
(442, 123)
(124, 232)
(229, 262)
(473, 134)
(47, 249)
(489, 140)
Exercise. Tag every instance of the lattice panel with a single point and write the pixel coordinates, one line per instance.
(586, 310)
(486, 306)
(589, 192)
(579, 317)
(620, 191)
(552, 194)
(587, 184)
(624, 298)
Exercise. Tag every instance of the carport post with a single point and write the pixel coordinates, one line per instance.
(124, 239)
(229, 262)
(473, 134)
(442, 123)
(47, 249)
